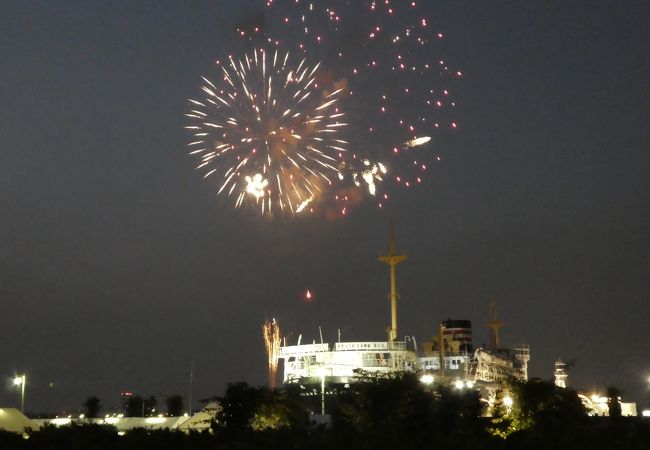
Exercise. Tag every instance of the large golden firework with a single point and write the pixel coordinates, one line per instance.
(269, 132)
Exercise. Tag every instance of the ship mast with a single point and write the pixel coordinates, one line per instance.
(392, 259)
(494, 325)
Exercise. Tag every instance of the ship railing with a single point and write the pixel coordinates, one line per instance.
(303, 350)
(370, 346)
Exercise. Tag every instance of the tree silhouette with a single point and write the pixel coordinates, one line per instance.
(394, 411)
(133, 406)
(138, 406)
(502, 423)
(92, 407)
(238, 406)
(271, 411)
(613, 404)
(174, 405)
(150, 405)
(536, 405)
(245, 408)
(548, 405)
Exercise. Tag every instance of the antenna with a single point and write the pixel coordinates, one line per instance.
(191, 381)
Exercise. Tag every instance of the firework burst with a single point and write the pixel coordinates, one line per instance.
(268, 132)
(399, 86)
(278, 131)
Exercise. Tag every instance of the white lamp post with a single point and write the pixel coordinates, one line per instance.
(21, 380)
(321, 372)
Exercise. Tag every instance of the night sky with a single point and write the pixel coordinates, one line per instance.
(119, 265)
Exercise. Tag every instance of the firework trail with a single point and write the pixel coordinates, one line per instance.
(399, 85)
(268, 132)
(271, 335)
(340, 99)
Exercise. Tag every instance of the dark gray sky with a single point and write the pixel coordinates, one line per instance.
(118, 265)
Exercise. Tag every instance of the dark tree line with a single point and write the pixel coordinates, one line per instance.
(379, 413)
(92, 407)
(137, 406)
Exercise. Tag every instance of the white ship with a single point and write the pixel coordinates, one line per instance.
(449, 356)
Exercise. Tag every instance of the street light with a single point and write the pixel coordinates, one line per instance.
(21, 381)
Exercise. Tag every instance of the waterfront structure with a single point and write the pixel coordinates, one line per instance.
(14, 421)
(560, 374)
(342, 362)
(200, 421)
(449, 356)
(597, 405)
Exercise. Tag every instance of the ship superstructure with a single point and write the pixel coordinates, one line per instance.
(449, 356)
(343, 361)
